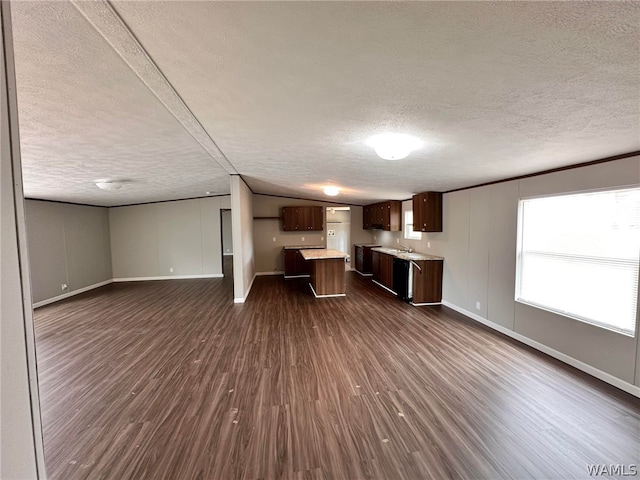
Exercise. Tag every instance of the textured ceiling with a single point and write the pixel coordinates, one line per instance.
(290, 91)
(85, 115)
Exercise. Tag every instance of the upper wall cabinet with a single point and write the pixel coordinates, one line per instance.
(302, 218)
(427, 212)
(383, 216)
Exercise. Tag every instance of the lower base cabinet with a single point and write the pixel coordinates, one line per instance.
(295, 265)
(427, 282)
(364, 262)
(382, 268)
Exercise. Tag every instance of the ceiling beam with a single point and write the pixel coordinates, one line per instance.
(102, 16)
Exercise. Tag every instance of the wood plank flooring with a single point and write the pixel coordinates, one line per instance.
(153, 380)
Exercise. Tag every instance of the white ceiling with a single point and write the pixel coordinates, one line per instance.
(286, 93)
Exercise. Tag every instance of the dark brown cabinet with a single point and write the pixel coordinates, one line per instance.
(302, 218)
(386, 270)
(427, 212)
(364, 261)
(375, 266)
(383, 216)
(427, 281)
(366, 217)
(294, 264)
(382, 268)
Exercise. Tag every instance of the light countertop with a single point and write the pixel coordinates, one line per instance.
(301, 247)
(416, 256)
(367, 244)
(322, 254)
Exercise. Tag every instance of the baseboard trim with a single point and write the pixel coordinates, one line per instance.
(244, 299)
(168, 277)
(71, 294)
(386, 288)
(326, 296)
(580, 365)
(363, 274)
(228, 254)
(264, 274)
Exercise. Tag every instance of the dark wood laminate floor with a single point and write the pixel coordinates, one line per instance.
(170, 379)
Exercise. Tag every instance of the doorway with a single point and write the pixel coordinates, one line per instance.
(226, 242)
(339, 231)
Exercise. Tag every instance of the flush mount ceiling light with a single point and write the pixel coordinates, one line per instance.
(394, 146)
(107, 184)
(331, 191)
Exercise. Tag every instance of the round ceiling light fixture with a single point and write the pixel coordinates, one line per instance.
(331, 191)
(394, 146)
(107, 184)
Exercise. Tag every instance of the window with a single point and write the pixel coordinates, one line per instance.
(578, 256)
(408, 227)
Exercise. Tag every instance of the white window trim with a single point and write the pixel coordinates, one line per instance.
(518, 279)
(410, 235)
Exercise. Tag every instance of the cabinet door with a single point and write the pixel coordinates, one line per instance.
(366, 260)
(419, 215)
(290, 219)
(427, 283)
(386, 216)
(375, 266)
(360, 259)
(366, 217)
(427, 212)
(386, 267)
(317, 218)
(395, 216)
(290, 262)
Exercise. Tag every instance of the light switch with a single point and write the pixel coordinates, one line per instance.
(303, 239)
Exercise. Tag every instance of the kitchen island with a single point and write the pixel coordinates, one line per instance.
(294, 264)
(327, 272)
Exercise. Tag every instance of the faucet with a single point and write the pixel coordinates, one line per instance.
(406, 249)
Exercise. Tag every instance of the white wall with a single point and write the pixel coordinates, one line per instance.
(151, 240)
(67, 244)
(21, 452)
(479, 246)
(227, 238)
(242, 231)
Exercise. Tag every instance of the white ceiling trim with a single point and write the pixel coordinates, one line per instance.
(101, 15)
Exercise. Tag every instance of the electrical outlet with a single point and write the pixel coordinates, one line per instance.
(274, 239)
(64, 286)
(170, 269)
(477, 305)
(303, 239)
(321, 239)
(397, 240)
(428, 244)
